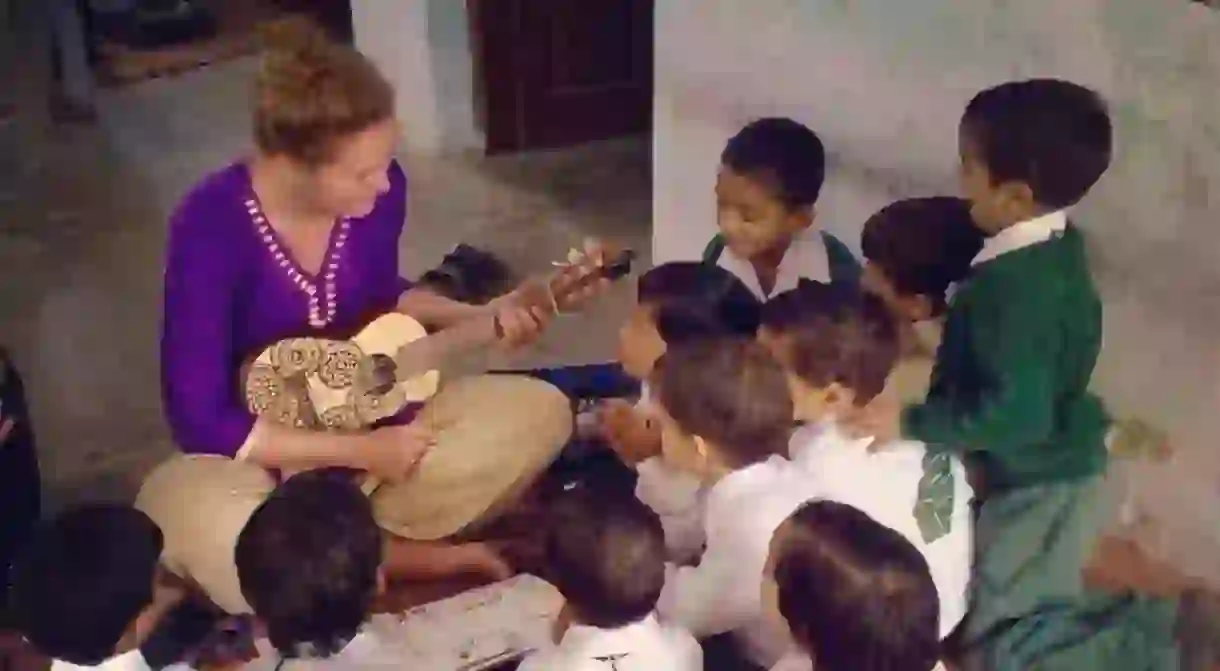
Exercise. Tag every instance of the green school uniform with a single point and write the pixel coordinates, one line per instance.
(1010, 390)
(1010, 385)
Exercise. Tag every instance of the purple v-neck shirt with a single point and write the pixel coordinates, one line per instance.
(227, 298)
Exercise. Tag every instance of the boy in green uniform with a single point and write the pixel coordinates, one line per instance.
(1010, 390)
(771, 173)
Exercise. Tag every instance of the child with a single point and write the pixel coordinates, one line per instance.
(770, 176)
(677, 303)
(20, 481)
(1010, 385)
(726, 415)
(838, 347)
(855, 595)
(607, 559)
(89, 589)
(914, 250)
(309, 562)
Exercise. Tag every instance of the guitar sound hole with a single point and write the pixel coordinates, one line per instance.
(384, 374)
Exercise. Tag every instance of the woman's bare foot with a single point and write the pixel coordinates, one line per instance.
(485, 560)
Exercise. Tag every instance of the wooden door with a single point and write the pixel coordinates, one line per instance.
(553, 73)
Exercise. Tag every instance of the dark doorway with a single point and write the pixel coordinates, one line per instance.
(554, 73)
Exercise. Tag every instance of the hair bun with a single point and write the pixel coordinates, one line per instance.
(295, 34)
(298, 55)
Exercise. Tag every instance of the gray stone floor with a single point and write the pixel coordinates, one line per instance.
(82, 221)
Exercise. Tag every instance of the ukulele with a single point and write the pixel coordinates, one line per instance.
(349, 385)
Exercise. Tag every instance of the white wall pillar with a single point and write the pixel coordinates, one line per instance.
(423, 48)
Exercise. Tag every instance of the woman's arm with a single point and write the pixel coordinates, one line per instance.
(432, 309)
(200, 389)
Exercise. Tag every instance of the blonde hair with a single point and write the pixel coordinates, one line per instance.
(312, 91)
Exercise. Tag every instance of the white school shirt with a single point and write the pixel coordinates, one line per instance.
(1022, 235)
(647, 645)
(799, 661)
(722, 593)
(131, 660)
(884, 485)
(794, 661)
(676, 497)
(806, 258)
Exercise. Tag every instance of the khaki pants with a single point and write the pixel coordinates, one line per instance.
(495, 435)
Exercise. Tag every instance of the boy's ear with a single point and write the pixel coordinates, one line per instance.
(802, 217)
(381, 582)
(700, 447)
(918, 307)
(1017, 199)
(836, 397)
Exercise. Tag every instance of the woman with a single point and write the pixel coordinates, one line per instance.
(299, 241)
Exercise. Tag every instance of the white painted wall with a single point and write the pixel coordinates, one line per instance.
(884, 83)
(423, 47)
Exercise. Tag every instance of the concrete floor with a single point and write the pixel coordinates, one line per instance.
(82, 224)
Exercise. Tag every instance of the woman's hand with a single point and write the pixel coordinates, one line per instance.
(392, 453)
(521, 314)
(581, 262)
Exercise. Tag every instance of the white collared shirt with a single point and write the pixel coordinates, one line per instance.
(1022, 235)
(885, 486)
(722, 593)
(794, 661)
(799, 661)
(131, 660)
(806, 258)
(647, 645)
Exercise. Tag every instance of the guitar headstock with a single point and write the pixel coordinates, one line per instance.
(580, 273)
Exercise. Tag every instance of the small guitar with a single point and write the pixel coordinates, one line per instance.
(348, 385)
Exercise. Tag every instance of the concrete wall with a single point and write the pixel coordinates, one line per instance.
(423, 47)
(884, 83)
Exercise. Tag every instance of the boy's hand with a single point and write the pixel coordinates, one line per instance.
(7, 424)
(629, 432)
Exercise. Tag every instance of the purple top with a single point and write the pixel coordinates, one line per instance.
(230, 292)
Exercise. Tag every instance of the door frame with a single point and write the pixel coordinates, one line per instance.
(499, 99)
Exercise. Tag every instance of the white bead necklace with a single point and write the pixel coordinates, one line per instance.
(323, 302)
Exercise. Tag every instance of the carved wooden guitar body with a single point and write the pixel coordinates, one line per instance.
(348, 385)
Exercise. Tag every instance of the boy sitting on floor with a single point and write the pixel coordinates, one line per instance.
(838, 347)
(855, 594)
(676, 304)
(89, 589)
(726, 416)
(607, 559)
(771, 174)
(309, 562)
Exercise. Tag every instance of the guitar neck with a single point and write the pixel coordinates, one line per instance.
(429, 352)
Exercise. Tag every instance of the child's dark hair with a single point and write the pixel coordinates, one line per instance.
(606, 557)
(731, 393)
(309, 560)
(693, 301)
(1053, 135)
(783, 154)
(856, 594)
(923, 245)
(84, 579)
(836, 334)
